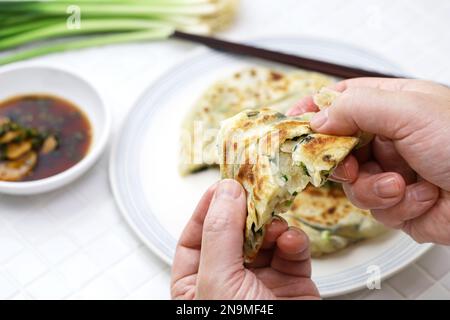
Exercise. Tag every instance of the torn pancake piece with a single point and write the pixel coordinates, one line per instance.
(274, 157)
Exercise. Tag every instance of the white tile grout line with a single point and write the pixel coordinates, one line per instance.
(148, 281)
(52, 267)
(430, 276)
(112, 266)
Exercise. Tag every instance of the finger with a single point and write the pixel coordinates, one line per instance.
(273, 231)
(293, 245)
(346, 171)
(419, 198)
(265, 257)
(389, 159)
(262, 260)
(286, 286)
(432, 226)
(223, 227)
(304, 105)
(393, 84)
(292, 255)
(187, 254)
(375, 189)
(391, 114)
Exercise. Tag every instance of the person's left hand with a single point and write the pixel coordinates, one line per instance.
(209, 261)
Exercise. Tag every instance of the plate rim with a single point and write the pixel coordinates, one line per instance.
(198, 52)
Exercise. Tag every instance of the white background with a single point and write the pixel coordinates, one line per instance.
(73, 243)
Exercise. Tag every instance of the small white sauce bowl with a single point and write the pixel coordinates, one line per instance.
(61, 83)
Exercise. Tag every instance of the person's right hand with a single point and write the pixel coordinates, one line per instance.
(403, 176)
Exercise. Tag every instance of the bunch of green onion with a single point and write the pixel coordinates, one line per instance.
(46, 25)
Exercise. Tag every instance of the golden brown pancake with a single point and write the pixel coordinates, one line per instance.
(274, 157)
(329, 219)
(250, 88)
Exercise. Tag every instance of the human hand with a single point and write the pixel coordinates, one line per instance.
(403, 176)
(209, 261)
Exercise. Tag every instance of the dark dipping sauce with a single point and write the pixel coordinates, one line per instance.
(58, 117)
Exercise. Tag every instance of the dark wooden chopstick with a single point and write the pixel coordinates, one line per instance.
(283, 58)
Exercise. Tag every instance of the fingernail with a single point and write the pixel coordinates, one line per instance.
(276, 220)
(340, 174)
(387, 187)
(319, 119)
(229, 188)
(422, 193)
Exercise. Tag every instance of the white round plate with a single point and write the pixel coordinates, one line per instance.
(157, 202)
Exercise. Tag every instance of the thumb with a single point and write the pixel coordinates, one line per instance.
(391, 114)
(223, 234)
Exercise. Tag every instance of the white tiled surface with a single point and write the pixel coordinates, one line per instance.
(74, 244)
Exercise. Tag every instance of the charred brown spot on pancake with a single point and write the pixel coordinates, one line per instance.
(275, 76)
(281, 134)
(314, 219)
(307, 139)
(327, 158)
(246, 173)
(224, 150)
(253, 72)
(260, 181)
(331, 210)
(252, 114)
(288, 124)
(246, 124)
(235, 145)
(237, 75)
(314, 192)
(256, 196)
(314, 145)
(267, 141)
(283, 87)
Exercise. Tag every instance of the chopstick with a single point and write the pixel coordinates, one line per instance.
(329, 68)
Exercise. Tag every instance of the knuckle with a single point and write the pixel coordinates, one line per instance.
(182, 290)
(382, 217)
(410, 227)
(351, 96)
(388, 219)
(299, 288)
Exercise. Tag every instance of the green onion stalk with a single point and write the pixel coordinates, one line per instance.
(34, 28)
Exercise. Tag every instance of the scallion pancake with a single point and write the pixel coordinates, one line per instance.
(330, 220)
(274, 157)
(250, 88)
